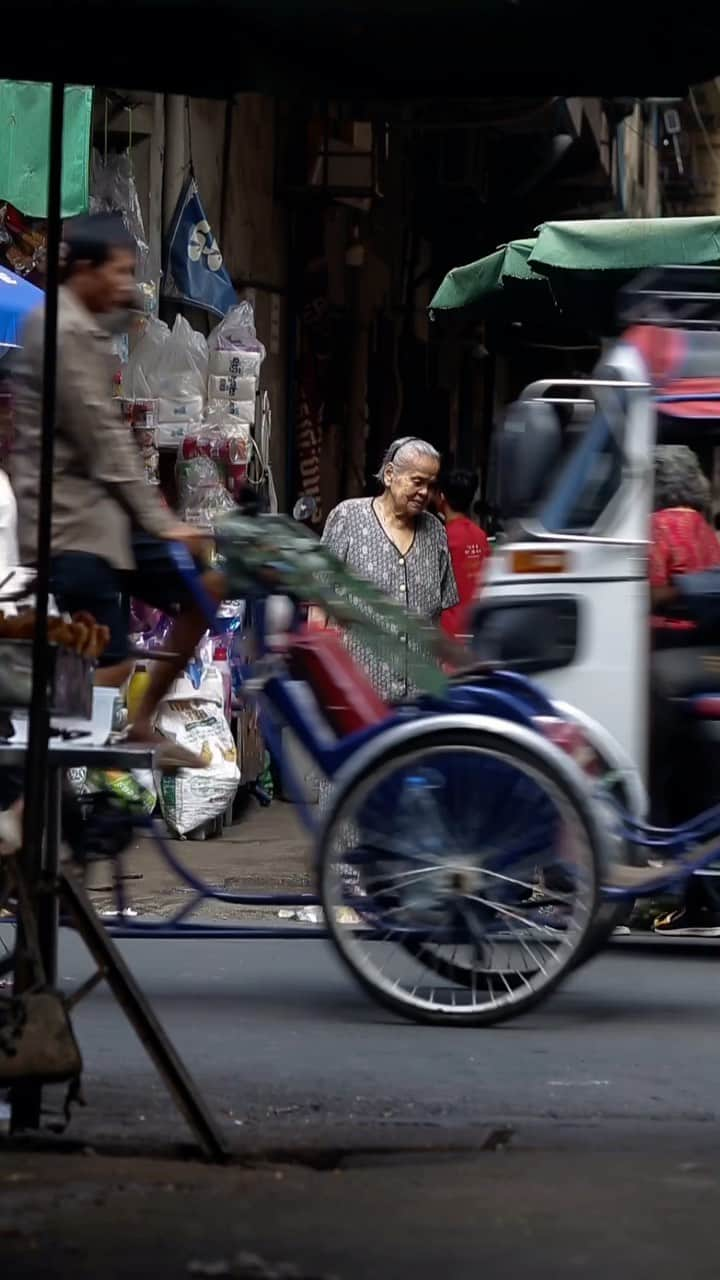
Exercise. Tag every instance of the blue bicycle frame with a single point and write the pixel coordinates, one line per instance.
(282, 704)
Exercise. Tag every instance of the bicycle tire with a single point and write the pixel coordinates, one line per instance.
(508, 751)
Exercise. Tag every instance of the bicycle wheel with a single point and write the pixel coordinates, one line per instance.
(470, 864)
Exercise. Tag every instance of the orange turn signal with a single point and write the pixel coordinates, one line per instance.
(528, 561)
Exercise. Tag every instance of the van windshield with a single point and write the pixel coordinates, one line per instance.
(586, 481)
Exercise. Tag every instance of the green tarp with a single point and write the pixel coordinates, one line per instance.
(567, 252)
(485, 278)
(626, 244)
(24, 134)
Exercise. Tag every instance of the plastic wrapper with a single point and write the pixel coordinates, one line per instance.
(134, 791)
(203, 497)
(114, 190)
(236, 332)
(224, 442)
(243, 411)
(230, 387)
(149, 628)
(233, 363)
(141, 417)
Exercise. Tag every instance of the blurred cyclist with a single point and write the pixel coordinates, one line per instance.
(111, 532)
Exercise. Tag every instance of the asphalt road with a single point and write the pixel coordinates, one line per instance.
(579, 1141)
(289, 1052)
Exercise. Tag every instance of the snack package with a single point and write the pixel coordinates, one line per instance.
(236, 332)
(234, 363)
(232, 387)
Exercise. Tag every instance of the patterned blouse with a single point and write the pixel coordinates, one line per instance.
(422, 579)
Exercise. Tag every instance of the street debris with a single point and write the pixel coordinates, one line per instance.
(250, 1266)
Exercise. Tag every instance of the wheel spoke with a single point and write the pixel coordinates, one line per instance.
(458, 923)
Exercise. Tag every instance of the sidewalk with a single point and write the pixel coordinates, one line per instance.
(265, 851)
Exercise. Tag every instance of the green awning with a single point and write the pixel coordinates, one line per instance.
(625, 244)
(485, 281)
(24, 129)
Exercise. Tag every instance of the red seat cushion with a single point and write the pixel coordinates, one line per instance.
(345, 694)
(706, 706)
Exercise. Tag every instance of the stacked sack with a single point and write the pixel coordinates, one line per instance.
(235, 359)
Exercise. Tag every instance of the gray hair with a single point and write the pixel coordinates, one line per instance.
(680, 480)
(402, 449)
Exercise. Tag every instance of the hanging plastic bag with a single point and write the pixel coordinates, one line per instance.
(235, 348)
(114, 190)
(182, 374)
(141, 377)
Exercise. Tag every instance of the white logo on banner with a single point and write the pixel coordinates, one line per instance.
(202, 243)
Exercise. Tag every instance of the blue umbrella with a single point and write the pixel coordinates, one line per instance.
(17, 298)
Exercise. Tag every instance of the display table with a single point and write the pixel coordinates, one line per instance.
(58, 886)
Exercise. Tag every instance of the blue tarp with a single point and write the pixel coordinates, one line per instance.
(17, 298)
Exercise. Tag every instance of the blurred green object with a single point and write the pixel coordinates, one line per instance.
(25, 132)
(491, 283)
(282, 557)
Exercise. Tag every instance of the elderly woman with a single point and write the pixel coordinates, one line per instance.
(394, 542)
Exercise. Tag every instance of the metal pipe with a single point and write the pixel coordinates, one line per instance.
(26, 1101)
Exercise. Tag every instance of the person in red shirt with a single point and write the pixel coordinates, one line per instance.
(469, 547)
(684, 777)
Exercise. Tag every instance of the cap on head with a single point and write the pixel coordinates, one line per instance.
(93, 238)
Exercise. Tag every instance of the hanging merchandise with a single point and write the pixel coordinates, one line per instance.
(141, 418)
(113, 190)
(203, 498)
(235, 349)
(170, 366)
(194, 270)
(223, 441)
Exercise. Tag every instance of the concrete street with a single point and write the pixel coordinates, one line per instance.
(580, 1140)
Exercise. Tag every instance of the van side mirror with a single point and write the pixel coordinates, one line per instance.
(526, 451)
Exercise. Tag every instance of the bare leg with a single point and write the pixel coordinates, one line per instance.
(11, 828)
(186, 634)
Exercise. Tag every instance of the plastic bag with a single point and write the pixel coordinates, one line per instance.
(142, 369)
(114, 190)
(182, 374)
(237, 333)
(170, 366)
(226, 443)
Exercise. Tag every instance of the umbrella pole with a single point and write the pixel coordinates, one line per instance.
(27, 1099)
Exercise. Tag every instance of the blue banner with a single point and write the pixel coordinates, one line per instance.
(194, 271)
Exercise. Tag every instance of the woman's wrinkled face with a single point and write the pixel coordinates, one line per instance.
(412, 483)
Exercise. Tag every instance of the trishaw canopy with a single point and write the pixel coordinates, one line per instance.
(598, 252)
